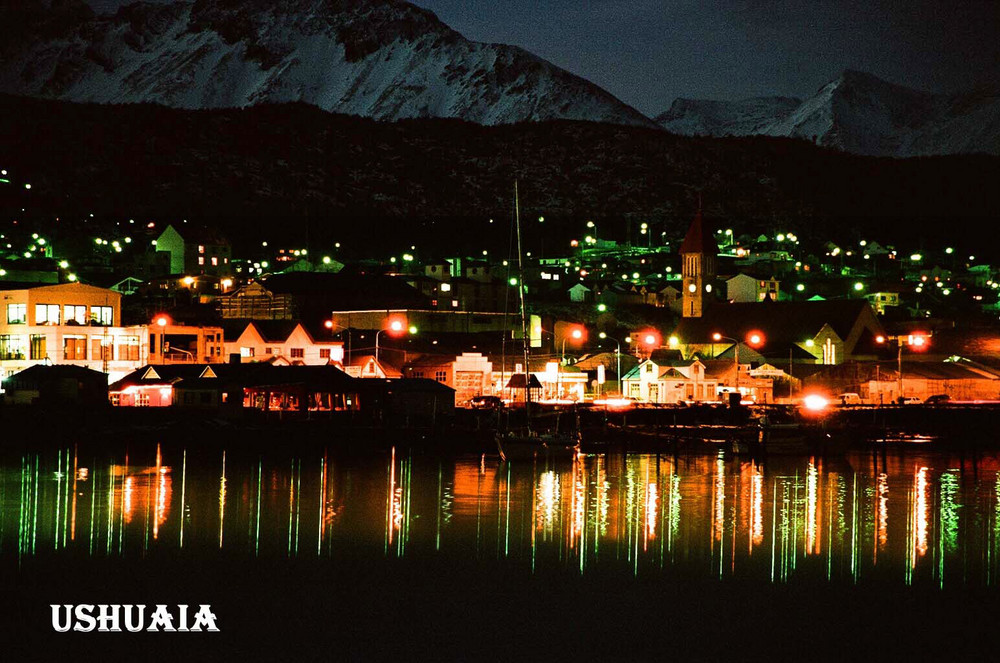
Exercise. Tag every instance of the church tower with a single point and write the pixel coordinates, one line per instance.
(698, 255)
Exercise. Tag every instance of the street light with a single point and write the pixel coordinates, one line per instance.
(917, 342)
(396, 328)
(618, 358)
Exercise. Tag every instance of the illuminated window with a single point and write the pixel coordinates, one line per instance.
(324, 353)
(128, 348)
(246, 352)
(12, 347)
(445, 287)
(201, 260)
(102, 315)
(75, 347)
(73, 314)
(46, 314)
(297, 353)
(38, 350)
(201, 249)
(17, 314)
(102, 349)
(454, 304)
(215, 261)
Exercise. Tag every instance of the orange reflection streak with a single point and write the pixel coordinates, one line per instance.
(652, 500)
(578, 505)
(757, 506)
(719, 499)
(548, 496)
(920, 514)
(127, 499)
(391, 498)
(883, 509)
(159, 493)
(812, 516)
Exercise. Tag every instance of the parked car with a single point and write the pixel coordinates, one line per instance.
(849, 399)
(938, 399)
(909, 400)
(486, 403)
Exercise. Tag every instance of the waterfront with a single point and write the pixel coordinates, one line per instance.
(242, 528)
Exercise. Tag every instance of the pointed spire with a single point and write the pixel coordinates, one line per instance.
(699, 239)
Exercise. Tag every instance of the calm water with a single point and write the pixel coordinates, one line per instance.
(913, 519)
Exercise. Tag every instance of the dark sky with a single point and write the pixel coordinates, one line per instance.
(647, 52)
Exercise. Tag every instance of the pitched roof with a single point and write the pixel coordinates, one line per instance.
(781, 323)
(699, 238)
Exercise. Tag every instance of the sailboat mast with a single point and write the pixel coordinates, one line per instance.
(524, 315)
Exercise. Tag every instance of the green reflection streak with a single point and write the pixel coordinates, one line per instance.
(93, 505)
(440, 507)
(34, 517)
(949, 519)
(256, 543)
(298, 503)
(55, 533)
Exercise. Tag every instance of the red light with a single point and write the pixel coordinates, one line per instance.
(577, 334)
(755, 339)
(162, 321)
(880, 339)
(917, 341)
(328, 324)
(650, 338)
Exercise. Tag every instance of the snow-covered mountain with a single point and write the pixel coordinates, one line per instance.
(698, 117)
(857, 113)
(385, 59)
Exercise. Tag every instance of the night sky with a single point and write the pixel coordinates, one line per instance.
(648, 52)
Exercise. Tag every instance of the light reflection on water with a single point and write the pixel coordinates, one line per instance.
(917, 519)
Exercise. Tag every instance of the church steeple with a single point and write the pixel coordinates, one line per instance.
(698, 254)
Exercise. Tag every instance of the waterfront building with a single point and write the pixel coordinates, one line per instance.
(71, 324)
(56, 385)
(469, 374)
(816, 332)
(660, 380)
(282, 343)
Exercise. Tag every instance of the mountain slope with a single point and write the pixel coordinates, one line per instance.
(699, 117)
(858, 113)
(384, 59)
(290, 173)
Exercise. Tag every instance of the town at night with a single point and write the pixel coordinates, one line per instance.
(372, 330)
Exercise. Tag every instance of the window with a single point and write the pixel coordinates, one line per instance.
(75, 315)
(101, 348)
(246, 352)
(128, 348)
(102, 315)
(201, 248)
(324, 353)
(297, 353)
(12, 347)
(37, 343)
(201, 260)
(442, 376)
(417, 374)
(269, 351)
(46, 314)
(75, 347)
(445, 287)
(215, 261)
(17, 314)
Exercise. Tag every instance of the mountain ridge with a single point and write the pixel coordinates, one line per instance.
(386, 59)
(856, 112)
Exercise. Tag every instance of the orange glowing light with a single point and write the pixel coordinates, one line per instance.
(716, 336)
(880, 339)
(918, 341)
(328, 324)
(577, 334)
(650, 338)
(755, 339)
(161, 321)
(815, 403)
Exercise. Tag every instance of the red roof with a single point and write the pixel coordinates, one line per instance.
(699, 239)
